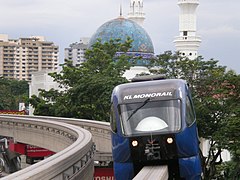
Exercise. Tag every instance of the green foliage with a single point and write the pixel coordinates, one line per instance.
(86, 89)
(229, 170)
(12, 92)
(215, 94)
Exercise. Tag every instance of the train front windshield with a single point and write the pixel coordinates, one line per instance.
(151, 116)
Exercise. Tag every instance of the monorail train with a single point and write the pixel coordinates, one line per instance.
(153, 123)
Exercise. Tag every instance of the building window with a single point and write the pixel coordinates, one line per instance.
(184, 33)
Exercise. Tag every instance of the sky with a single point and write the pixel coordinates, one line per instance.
(66, 21)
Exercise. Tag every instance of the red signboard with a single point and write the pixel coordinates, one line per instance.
(102, 173)
(17, 147)
(33, 151)
(28, 150)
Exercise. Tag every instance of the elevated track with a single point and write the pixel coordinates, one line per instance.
(74, 147)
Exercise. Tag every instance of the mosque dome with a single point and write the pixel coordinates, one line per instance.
(121, 28)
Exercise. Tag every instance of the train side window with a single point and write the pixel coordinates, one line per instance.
(113, 119)
(190, 116)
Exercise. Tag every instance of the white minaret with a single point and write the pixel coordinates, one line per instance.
(187, 43)
(136, 11)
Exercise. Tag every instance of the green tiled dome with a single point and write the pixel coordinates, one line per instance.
(122, 28)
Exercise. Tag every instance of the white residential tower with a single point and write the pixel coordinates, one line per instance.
(75, 52)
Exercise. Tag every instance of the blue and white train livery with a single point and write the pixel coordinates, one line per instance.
(153, 123)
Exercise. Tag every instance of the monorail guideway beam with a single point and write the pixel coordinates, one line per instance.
(152, 172)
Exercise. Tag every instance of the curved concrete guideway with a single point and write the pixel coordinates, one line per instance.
(101, 134)
(74, 147)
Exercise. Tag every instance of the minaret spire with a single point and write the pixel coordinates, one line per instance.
(136, 11)
(187, 43)
(121, 9)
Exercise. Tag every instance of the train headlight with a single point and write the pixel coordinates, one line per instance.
(169, 140)
(134, 143)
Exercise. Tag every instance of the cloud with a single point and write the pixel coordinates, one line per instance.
(65, 21)
(221, 31)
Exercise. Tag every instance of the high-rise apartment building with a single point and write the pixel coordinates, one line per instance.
(20, 57)
(76, 51)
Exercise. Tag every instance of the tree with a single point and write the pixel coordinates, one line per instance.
(12, 92)
(216, 110)
(86, 89)
(216, 97)
(232, 127)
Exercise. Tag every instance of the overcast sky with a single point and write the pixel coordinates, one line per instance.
(65, 21)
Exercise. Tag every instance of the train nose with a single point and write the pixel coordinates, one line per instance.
(152, 150)
(159, 148)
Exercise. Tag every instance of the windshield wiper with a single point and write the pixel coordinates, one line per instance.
(144, 103)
